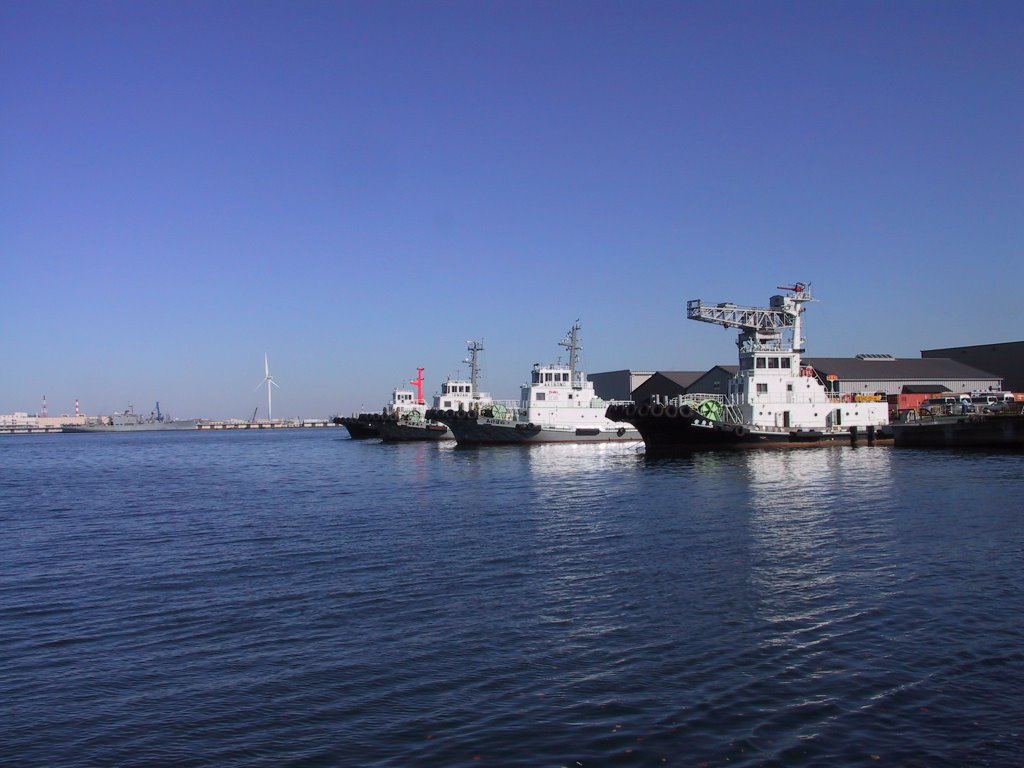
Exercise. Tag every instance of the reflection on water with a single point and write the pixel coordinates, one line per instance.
(807, 508)
(298, 598)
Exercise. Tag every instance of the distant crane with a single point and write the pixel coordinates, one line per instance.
(254, 414)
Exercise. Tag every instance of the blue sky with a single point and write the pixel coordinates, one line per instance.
(357, 189)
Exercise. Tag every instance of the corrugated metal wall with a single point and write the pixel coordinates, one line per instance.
(893, 386)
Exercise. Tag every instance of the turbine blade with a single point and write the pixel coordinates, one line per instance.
(274, 383)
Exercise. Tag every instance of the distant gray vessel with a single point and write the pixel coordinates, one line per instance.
(129, 421)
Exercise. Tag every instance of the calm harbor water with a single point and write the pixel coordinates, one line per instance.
(299, 598)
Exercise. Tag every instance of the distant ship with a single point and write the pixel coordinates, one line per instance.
(559, 405)
(407, 417)
(129, 421)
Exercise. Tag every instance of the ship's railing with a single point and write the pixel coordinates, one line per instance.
(849, 397)
(766, 345)
(504, 409)
(713, 406)
(511, 409)
(689, 397)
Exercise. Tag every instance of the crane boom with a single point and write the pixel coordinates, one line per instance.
(760, 319)
(758, 325)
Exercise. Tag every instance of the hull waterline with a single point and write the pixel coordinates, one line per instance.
(469, 429)
(393, 432)
(670, 434)
(162, 426)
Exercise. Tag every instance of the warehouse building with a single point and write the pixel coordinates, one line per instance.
(860, 375)
(618, 385)
(673, 383)
(869, 374)
(1005, 360)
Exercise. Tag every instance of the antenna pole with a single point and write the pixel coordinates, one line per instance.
(573, 345)
(475, 348)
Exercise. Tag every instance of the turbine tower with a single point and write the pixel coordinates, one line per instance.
(269, 381)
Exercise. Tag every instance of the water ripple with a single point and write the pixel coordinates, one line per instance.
(299, 599)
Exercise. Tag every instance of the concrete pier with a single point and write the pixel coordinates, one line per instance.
(303, 424)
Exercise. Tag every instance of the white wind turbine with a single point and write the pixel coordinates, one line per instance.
(269, 381)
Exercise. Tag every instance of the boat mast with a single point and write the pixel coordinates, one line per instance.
(801, 294)
(418, 383)
(475, 348)
(572, 343)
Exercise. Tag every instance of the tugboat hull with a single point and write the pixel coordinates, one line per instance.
(469, 429)
(395, 432)
(360, 427)
(669, 433)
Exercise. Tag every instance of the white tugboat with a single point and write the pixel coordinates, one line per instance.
(773, 400)
(559, 405)
(407, 418)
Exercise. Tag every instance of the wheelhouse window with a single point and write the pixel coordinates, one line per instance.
(760, 362)
(773, 362)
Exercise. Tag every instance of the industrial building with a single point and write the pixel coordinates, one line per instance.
(868, 374)
(618, 385)
(1005, 360)
(672, 383)
(905, 382)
